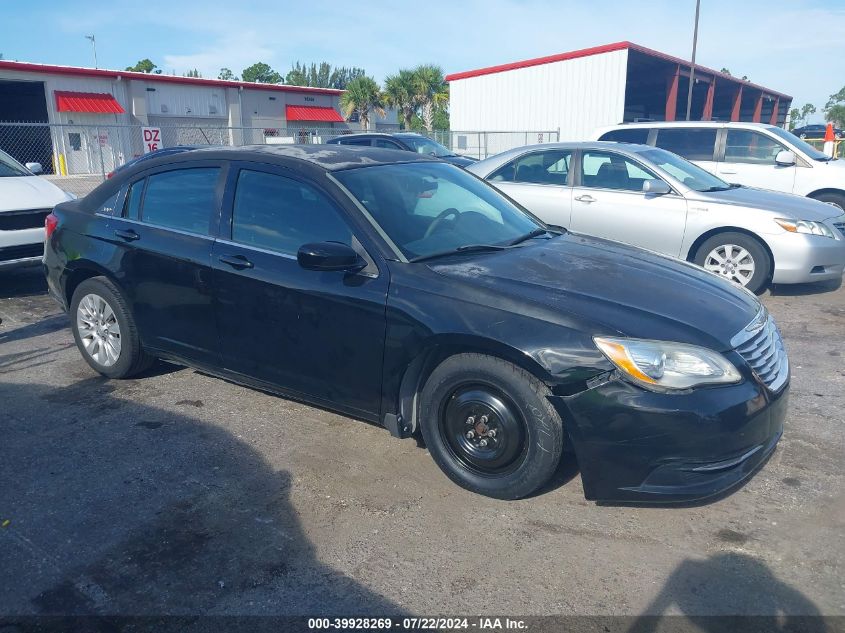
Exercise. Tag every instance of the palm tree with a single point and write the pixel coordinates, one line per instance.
(431, 92)
(362, 96)
(399, 91)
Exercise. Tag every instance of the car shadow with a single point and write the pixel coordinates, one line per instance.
(111, 507)
(22, 282)
(45, 326)
(800, 290)
(722, 586)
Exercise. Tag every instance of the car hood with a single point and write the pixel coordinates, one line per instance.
(612, 288)
(18, 193)
(781, 204)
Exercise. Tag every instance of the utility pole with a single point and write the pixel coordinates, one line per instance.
(692, 67)
(94, 45)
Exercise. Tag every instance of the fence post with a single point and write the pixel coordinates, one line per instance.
(100, 148)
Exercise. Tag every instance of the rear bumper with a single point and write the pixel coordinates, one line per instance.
(634, 445)
(806, 258)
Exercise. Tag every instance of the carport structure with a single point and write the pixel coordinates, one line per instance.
(579, 91)
(657, 87)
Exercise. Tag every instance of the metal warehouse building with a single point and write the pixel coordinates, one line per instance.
(95, 116)
(577, 92)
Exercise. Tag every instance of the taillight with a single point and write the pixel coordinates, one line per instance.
(50, 224)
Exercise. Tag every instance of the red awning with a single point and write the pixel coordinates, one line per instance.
(312, 113)
(99, 103)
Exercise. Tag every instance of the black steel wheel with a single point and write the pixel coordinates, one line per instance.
(490, 427)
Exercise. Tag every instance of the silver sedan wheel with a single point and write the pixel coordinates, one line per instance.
(98, 329)
(731, 261)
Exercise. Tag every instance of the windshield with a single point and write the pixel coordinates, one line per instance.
(10, 167)
(800, 144)
(430, 207)
(691, 175)
(422, 145)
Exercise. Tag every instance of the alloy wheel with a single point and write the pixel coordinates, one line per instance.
(731, 261)
(98, 330)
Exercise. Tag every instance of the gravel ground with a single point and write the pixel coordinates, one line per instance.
(179, 493)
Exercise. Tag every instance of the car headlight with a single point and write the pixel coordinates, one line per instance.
(805, 226)
(663, 365)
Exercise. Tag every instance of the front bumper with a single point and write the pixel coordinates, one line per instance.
(637, 445)
(803, 258)
(23, 247)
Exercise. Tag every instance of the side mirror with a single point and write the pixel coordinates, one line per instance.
(785, 158)
(329, 256)
(35, 168)
(656, 187)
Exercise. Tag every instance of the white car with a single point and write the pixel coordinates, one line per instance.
(656, 200)
(25, 201)
(750, 154)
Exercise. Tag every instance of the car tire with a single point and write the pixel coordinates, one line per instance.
(832, 198)
(477, 394)
(105, 331)
(735, 266)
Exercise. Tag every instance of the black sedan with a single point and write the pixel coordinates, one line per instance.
(405, 291)
(407, 141)
(815, 131)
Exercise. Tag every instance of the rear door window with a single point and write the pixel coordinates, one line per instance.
(550, 167)
(630, 135)
(385, 144)
(181, 199)
(690, 143)
(365, 142)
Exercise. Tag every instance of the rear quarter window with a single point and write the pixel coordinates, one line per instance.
(637, 135)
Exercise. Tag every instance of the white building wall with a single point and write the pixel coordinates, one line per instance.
(574, 96)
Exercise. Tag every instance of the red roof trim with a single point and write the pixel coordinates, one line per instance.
(598, 50)
(96, 102)
(126, 74)
(538, 61)
(312, 113)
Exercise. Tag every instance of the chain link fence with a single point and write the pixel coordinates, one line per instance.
(79, 157)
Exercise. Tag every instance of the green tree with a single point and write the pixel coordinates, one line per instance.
(362, 96)
(798, 117)
(834, 110)
(725, 71)
(261, 73)
(431, 91)
(227, 75)
(145, 66)
(193, 73)
(322, 75)
(400, 93)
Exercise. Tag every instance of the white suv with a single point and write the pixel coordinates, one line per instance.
(25, 201)
(750, 154)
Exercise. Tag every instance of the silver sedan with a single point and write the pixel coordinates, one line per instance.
(654, 199)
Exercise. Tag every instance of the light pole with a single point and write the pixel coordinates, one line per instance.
(94, 45)
(692, 67)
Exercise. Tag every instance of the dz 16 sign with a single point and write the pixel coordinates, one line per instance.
(152, 139)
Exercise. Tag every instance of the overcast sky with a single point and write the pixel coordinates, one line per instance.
(795, 46)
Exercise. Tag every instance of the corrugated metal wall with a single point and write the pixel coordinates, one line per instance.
(575, 95)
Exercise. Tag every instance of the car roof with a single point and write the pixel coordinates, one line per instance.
(323, 157)
(653, 124)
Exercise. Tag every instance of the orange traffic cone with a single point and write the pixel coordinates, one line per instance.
(829, 138)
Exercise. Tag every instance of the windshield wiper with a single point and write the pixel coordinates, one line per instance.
(717, 188)
(532, 234)
(467, 248)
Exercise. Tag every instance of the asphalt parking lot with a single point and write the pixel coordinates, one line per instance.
(180, 493)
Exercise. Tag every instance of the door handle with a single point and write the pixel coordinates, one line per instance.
(585, 198)
(129, 236)
(238, 262)
(725, 171)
